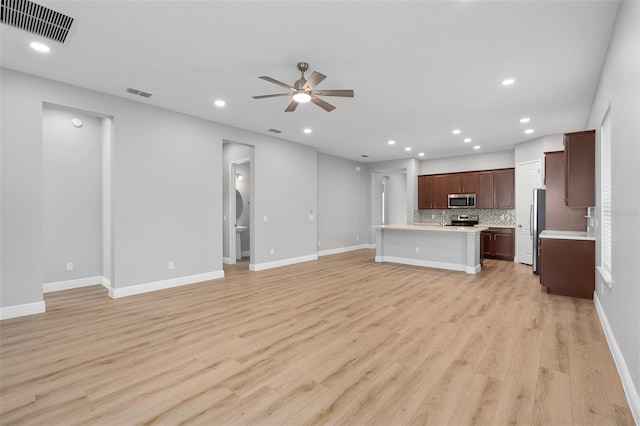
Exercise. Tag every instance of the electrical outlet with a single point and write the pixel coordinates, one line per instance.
(357, 237)
(311, 217)
(69, 266)
(501, 217)
(224, 217)
(433, 216)
(265, 218)
(417, 249)
(319, 243)
(272, 251)
(171, 265)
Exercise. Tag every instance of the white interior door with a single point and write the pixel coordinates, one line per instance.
(528, 177)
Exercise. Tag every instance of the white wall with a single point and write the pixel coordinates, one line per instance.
(620, 87)
(467, 163)
(72, 195)
(341, 205)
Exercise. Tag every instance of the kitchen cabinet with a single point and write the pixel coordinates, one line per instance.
(494, 189)
(557, 215)
(484, 190)
(468, 183)
(440, 192)
(567, 267)
(580, 165)
(498, 243)
(503, 188)
(425, 192)
(432, 192)
(461, 183)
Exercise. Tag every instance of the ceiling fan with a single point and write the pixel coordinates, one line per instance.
(302, 90)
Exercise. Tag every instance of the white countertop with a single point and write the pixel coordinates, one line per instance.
(567, 235)
(438, 228)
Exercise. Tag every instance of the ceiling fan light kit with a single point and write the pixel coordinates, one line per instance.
(302, 90)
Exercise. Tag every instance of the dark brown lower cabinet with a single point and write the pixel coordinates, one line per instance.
(568, 267)
(498, 243)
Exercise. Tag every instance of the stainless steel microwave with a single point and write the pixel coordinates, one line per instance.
(462, 201)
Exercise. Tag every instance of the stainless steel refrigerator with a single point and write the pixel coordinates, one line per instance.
(537, 218)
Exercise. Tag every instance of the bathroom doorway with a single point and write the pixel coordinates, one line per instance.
(238, 195)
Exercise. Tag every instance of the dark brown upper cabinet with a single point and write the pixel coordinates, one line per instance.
(580, 169)
(503, 187)
(494, 189)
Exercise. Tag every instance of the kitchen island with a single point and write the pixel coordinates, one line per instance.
(456, 248)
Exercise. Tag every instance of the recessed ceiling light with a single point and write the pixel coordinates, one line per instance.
(39, 47)
(391, 142)
(407, 148)
(525, 120)
(456, 132)
(219, 103)
(528, 131)
(467, 140)
(476, 147)
(307, 131)
(421, 154)
(76, 122)
(508, 82)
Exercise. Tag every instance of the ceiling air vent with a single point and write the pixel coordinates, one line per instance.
(138, 92)
(275, 131)
(31, 17)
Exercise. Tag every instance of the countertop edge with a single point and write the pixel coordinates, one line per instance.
(566, 235)
(433, 228)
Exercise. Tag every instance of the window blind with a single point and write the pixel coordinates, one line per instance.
(605, 191)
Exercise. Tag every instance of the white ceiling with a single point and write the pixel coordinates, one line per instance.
(419, 68)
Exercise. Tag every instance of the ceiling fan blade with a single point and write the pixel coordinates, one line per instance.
(322, 104)
(279, 83)
(313, 80)
(344, 93)
(271, 96)
(292, 106)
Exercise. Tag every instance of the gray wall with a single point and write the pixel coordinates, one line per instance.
(620, 87)
(341, 205)
(465, 163)
(72, 195)
(534, 149)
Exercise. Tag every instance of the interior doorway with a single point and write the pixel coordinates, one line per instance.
(238, 195)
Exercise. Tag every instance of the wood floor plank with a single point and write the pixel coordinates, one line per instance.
(341, 340)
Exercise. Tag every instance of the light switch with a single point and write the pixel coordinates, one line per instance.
(265, 218)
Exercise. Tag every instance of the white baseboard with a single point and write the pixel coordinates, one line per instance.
(226, 260)
(341, 250)
(246, 253)
(164, 284)
(69, 284)
(283, 262)
(623, 370)
(106, 283)
(429, 264)
(370, 246)
(22, 310)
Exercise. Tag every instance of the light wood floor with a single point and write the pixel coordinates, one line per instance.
(339, 341)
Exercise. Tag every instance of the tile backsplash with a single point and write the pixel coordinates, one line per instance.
(486, 217)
